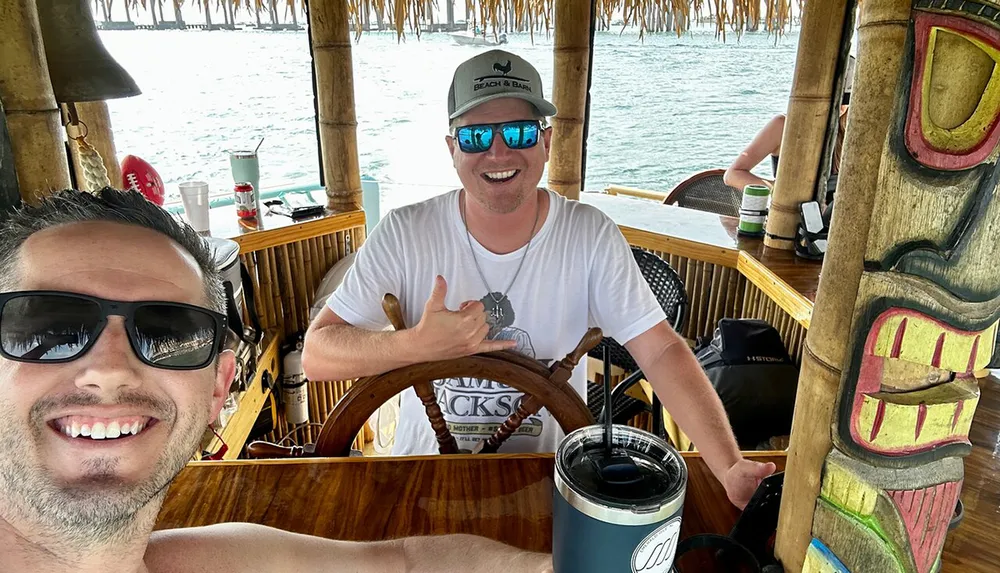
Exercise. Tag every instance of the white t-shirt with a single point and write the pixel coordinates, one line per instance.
(578, 272)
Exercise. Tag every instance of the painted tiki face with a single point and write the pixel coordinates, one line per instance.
(928, 304)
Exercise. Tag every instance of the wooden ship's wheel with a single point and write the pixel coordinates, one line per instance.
(543, 387)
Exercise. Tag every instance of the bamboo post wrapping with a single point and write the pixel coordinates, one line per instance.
(33, 119)
(881, 33)
(569, 92)
(338, 124)
(808, 115)
(96, 125)
(909, 299)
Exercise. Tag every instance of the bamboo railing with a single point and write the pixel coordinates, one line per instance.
(757, 304)
(287, 266)
(658, 196)
(721, 285)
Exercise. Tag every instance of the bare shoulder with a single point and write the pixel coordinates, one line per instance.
(773, 133)
(222, 548)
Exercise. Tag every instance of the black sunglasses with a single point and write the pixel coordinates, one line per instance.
(516, 134)
(48, 327)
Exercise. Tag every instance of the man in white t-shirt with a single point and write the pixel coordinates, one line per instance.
(502, 264)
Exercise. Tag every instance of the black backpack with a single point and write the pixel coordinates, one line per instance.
(754, 377)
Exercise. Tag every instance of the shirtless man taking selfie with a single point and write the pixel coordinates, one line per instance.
(111, 368)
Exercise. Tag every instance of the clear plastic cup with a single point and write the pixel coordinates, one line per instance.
(194, 196)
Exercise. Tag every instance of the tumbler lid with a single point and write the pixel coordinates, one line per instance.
(643, 475)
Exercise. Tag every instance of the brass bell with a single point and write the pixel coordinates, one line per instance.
(80, 67)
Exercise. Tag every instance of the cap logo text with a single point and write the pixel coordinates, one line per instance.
(502, 80)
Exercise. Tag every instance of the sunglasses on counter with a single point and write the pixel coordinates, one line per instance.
(49, 327)
(516, 134)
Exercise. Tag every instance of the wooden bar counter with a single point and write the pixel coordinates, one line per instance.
(509, 497)
(503, 497)
(713, 238)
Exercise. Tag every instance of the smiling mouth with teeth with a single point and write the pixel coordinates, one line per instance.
(500, 176)
(86, 427)
(931, 408)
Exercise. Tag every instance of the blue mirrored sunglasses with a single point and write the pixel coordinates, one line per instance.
(516, 134)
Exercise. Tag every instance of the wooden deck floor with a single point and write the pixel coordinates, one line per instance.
(974, 546)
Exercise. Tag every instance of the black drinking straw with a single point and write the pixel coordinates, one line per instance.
(607, 401)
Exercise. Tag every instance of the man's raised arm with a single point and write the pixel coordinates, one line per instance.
(335, 350)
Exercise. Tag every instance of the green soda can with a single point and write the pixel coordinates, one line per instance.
(753, 211)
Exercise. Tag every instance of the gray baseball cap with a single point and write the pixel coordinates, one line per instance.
(492, 75)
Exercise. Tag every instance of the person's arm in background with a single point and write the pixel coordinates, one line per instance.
(766, 142)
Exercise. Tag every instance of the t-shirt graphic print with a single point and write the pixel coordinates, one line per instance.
(483, 405)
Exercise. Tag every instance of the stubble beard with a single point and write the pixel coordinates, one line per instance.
(100, 510)
(503, 203)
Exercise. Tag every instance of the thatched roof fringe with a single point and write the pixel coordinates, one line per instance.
(493, 16)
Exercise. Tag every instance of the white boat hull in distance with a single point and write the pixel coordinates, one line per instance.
(470, 39)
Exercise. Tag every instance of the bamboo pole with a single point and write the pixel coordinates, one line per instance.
(699, 290)
(33, 118)
(719, 282)
(745, 303)
(706, 298)
(881, 35)
(802, 142)
(329, 251)
(10, 197)
(319, 269)
(281, 313)
(257, 264)
(305, 272)
(731, 308)
(338, 124)
(97, 127)
(569, 92)
(740, 294)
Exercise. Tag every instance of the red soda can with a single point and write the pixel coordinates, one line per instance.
(246, 200)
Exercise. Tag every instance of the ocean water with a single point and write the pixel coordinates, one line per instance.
(662, 108)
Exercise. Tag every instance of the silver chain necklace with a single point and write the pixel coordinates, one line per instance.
(495, 311)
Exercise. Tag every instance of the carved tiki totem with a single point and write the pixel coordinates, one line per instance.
(927, 309)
